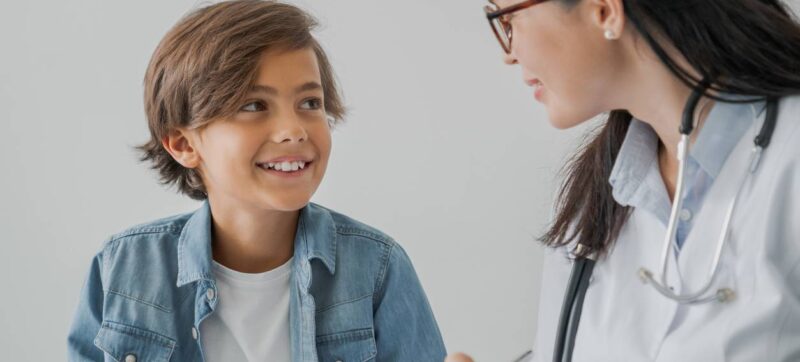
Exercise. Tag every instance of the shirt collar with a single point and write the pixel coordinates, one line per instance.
(636, 158)
(316, 236)
(722, 130)
(315, 239)
(194, 248)
(635, 178)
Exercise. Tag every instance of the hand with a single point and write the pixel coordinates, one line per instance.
(458, 357)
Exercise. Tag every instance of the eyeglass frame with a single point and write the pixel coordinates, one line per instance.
(495, 13)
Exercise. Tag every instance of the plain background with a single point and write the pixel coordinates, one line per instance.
(444, 148)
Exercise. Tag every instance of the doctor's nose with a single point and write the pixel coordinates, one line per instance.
(510, 58)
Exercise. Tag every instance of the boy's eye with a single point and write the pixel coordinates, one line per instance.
(254, 106)
(311, 104)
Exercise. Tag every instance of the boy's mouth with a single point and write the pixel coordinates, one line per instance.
(285, 166)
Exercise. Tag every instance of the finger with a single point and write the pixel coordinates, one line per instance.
(458, 357)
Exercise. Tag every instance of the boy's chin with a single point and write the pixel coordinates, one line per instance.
(286, 202)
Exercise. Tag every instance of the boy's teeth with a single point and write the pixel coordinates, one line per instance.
(286, 166)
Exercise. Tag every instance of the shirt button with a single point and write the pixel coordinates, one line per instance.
(130, 358)
(210, 294)
(686, 215)
(194, 332)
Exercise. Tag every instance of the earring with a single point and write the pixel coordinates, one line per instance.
(609, 34)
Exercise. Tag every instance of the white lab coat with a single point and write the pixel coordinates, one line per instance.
(625, 320)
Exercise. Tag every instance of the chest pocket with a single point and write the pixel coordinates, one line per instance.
(351, 346)
(125, 343)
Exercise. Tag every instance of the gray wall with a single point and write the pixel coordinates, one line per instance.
(444, 149)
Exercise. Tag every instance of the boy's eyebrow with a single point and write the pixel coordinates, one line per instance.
(308, 86)
(272, 91)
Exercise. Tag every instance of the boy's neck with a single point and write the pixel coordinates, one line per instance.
(251, 241)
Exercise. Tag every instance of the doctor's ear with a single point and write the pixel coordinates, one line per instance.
(179, 144)
(608, 16)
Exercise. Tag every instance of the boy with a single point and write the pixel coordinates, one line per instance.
(240, 99)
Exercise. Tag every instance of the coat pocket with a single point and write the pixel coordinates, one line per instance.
(351, 346)
(126, 343)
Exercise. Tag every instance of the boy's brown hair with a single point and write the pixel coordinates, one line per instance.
(207, 63)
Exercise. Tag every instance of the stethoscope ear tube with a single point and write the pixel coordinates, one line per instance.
(687, 122)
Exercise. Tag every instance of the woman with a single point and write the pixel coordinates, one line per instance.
(697, 265)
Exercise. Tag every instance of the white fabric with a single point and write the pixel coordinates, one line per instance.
(251, 319)
(625, 320)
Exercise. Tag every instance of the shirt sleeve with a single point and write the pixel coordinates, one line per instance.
(88, 317)
(405, 328)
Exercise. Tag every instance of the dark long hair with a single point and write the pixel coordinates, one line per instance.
(747, 47)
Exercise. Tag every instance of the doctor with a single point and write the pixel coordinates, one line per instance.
(678, 222)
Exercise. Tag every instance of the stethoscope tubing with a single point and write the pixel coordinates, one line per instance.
(572, 307)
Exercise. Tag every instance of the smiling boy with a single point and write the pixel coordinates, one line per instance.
(240, 100)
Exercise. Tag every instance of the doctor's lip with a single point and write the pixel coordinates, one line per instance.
(538, 88)
(532, 82)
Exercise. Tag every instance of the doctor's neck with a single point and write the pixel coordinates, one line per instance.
(657, 97)
(654, 95)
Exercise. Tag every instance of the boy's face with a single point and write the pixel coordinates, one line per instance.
(273, 153)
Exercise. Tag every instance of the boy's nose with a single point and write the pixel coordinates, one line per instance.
(290, 130)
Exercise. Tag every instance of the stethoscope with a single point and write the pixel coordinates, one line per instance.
(584, 262)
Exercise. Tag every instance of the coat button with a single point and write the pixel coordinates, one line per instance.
(130, 358)
(194, 332)
(210, 294)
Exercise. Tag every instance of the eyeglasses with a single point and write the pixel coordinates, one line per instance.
(499, 20)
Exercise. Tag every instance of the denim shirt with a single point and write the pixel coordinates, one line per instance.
(354, 294)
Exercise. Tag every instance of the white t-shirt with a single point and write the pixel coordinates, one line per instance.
(251, 320)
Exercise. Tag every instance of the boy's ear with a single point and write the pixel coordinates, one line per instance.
(178, 144)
